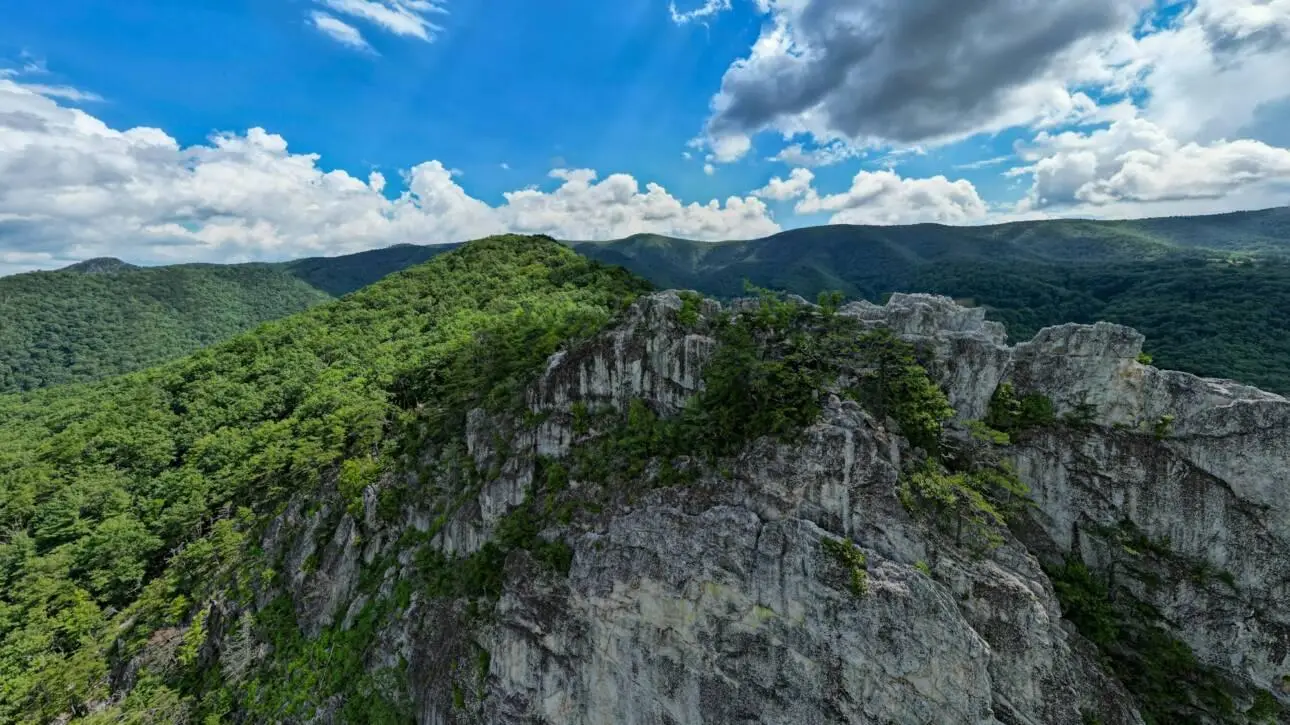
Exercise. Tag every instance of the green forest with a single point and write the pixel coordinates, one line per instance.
(86, 323)
(126, 504)
(1206, 291)
(1213, 311)
(134, 507)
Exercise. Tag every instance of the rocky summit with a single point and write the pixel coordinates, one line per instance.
(818, 576)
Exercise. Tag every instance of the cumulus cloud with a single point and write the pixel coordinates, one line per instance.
(1136, 161)
(884, 197)
(935, 71)
(72, 187)
(338, 30)
(924, 71)
(796, 185)
(1206, 76)
(401, 17)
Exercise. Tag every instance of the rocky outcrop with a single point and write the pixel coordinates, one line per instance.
(1195, 464)
(719, 602)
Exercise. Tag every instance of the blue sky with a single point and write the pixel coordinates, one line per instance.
(611, 86)
(926, 120)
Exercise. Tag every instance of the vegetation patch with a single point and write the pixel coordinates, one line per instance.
(848, 556)
(1169, 683)
(1011, 414)
(129, 504)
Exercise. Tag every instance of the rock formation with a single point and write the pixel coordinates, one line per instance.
(723, 600)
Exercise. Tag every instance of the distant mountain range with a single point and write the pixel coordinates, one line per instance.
(1209, 292)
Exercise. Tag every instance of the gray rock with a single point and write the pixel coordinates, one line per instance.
(717, 602)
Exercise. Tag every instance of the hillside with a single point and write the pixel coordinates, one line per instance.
(1206, 291)
(130, 504)
(340, 275)
(104, 317)
(507, 486)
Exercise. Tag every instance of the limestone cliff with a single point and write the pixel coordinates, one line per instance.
(724, 599)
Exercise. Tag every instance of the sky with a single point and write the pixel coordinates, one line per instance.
(261, 130)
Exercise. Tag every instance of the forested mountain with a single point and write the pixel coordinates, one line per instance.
(1207, 291)
(127, 504)
(338, 276)
(509, 486)
(104, 317)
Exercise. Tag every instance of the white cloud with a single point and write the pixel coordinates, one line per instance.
(66, 93)
(709, 169)
(1136, 162)
(616, 207)
(884, 197)
(730, 148)
(826, 155)
(401, 17)
(983, 163)
(707, 10)
(939, 71)
(1207, 75)
(797, 185)
(338, 30)
(905, 73)
(71, 188)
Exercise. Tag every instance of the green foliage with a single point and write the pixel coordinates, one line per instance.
(923, 567)
(304, 672)
(953, 501)
(346, 273)
(691, 303)
(1162, 672)
(1011, 414)
(892, 382)
(1081, 416)
(1144, 358)
(482, 574)
(125, 504)
(1175, 280)
(848, 556)
(1265, 708)
(765, 378)
(69, 326)
(1162, 428)
(775, 362)
(982, 432)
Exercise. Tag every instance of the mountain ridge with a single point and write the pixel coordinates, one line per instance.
(1212, 310)
(513, 485)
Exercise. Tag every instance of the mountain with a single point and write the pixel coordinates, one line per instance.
(340, 275)
(99, 265)
(1206, 291)
(104, 317)
(512, 485)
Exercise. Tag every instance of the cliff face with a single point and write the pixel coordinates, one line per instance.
(732, 598)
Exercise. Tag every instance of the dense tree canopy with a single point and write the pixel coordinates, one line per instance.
(125, 503)
(1206, 291)
(101, 319)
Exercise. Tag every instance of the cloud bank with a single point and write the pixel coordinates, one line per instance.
(71, 187)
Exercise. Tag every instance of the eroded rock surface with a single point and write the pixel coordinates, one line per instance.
(716, 602)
